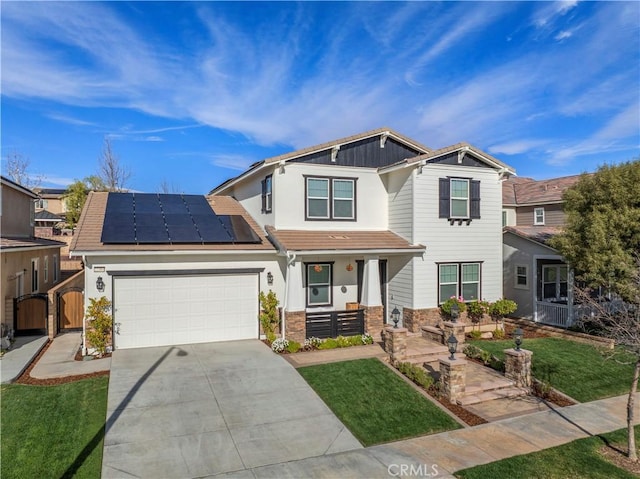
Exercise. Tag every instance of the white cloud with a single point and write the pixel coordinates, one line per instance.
(70, 120)
(232, 162)
(152, 138)
(516, 147)
(551, 11)
(563, 35)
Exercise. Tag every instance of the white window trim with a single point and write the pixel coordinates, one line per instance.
(268, 194)
(327, 199)
(557, 282)
(35, 280)
(535, 216)
(462, 281)
(19, 284)
(458, 198)
(45, 271)
(516, 276)
(328, 284)
(457, 282)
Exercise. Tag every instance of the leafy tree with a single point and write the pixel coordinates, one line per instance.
(601, 241)
(602, 232)
(76, 195)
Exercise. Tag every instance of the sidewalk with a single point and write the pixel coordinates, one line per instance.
(310, 358)
(16, 359)
(56, 362)
(452, 451)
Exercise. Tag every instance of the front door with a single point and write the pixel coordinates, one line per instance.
(382, 271)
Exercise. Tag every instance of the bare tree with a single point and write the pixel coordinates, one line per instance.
(111, 172)
(620, 321)
(166, 188)
(17, 169)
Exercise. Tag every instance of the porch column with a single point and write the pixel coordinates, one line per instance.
(372, 297)
(294, 309)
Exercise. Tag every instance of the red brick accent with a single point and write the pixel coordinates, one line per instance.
(373, 320)
(295, 325)
(414, 319)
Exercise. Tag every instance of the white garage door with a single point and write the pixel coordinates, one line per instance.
(168, 310)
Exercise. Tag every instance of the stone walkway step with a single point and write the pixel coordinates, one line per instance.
(509, 392)
(482, 386)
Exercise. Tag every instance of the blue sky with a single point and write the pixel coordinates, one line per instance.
(192, 93)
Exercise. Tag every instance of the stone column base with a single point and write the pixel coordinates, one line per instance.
(453, 378)
(295, 323)
(457, 329)
(395, 343)
(373, 321)
(517, 367)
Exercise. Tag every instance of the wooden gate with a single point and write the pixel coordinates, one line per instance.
(70, 308)
(30, 314)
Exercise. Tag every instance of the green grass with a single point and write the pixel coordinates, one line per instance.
(579, 370)
(53, 431)
(576, 459)
(374, 403)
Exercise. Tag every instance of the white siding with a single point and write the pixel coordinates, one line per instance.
(400, 287)
(400, 191)
(479, 241)
(249, 194)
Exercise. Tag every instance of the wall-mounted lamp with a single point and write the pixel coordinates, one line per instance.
(269, 278)
(100, 284)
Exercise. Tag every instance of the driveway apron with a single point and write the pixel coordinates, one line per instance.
(206, 409)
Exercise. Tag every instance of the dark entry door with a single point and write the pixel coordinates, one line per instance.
(382, 272)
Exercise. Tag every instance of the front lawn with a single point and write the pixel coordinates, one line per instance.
(576, 369)
(374, 403)
(579, 458)
(53, 431)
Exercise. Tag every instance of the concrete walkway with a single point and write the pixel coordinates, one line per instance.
(443, 454)
(58, 360)
(311, 358)
(17, 359)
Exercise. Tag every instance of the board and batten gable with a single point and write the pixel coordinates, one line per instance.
(478, 241)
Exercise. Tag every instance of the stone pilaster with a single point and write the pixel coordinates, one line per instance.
(457, 329)
(453, 378)
(395, 343)
(295, 323)
(414, 319)
(373, 320)
(517, 367)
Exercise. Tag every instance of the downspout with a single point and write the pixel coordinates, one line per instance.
(84, 327)
(291, 257)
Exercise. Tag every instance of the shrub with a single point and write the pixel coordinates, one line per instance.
(501, 308)
(485, 357)
(328, 343)
(355, 340)
(312, 343)
(417, 374)
(269, 317)
(472, 351)
(293, 346)
(100, 321)
(476, 309)
(366, 338)
(498, 334)
(343, 341)
(446, 306)
(475, 334)
(279, 345)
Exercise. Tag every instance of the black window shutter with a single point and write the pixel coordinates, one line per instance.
(445, 196)
(264, 195)
(475, 199)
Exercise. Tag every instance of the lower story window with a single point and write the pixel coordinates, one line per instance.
(319, 280)
(458, 280)
(554, 282)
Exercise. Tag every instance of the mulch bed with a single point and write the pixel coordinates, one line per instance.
(467, 416)
(619, 458)
(25, 377)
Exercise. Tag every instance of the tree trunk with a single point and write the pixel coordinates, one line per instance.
(631, 439)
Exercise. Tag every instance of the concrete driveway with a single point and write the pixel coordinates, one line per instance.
(206, 409)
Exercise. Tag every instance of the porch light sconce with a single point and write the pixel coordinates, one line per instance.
(395, 316)
(349, 267)
(100, 284)
(517, 335)
(269, 278)
(455, 312)
(452, 342)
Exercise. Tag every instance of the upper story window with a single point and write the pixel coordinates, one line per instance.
(330, 198)
(267, 194)
(504, 218)
(34, 275)
(459, 198)
(538, 216)
(42, 203)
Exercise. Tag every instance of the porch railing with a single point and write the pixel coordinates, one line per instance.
(330, 324)
(553, 314)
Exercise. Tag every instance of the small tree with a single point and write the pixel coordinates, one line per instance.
(269, 317)
(500, 309)
(17, 169)
(100, 324)
(76, 195)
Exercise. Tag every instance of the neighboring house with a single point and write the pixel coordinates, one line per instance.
(52, 200)
(30, 265)
(343, 233)
(535, 274)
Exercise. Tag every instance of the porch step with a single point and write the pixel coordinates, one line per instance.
(507, 392)
(424, 355)
(486, 386)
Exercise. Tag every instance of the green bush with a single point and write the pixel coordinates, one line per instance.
(472, 351)
(416, 374)
(293, 346)
(501, 308)
(475, 334)
(485, 356)
(269, 317)
(446, 306)
(498, 334)
(476, 309)
(367, 338)
(328, 343)
(343, 341)
(100, 323)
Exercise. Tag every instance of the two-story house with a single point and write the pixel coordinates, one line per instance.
(30, 265)
(535, 274)
(343, 232)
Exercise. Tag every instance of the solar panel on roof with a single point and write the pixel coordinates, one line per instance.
(142, 218)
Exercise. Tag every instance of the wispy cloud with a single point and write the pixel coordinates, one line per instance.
(70, 120)
(232, 162)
